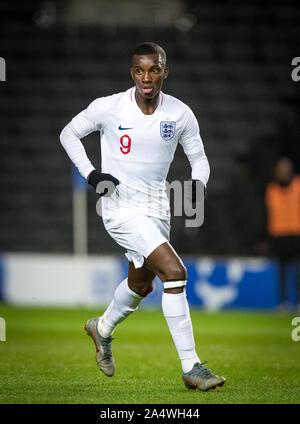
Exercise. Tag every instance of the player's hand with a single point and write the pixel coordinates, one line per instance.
(104, 184)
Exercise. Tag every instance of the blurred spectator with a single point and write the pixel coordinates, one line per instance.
(282, 201)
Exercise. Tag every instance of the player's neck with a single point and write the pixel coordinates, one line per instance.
(147, 106)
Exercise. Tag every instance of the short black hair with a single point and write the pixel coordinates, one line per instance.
(150, 48)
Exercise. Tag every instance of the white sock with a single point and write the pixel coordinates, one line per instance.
(124, 303)
(176, 311)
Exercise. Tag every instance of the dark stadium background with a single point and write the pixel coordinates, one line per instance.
(229, 61)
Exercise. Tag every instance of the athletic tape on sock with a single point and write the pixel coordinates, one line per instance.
(173, 284)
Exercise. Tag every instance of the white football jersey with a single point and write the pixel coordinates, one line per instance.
(138, 149)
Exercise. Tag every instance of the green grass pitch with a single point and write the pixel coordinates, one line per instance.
(47, 358)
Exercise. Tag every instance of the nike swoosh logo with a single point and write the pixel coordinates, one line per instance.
(121, 128)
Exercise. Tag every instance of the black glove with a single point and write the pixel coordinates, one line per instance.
(98, 177)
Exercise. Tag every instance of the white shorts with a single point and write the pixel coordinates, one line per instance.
(139, 234)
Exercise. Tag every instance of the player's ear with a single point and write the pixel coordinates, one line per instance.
(131, 73)
(166, 72)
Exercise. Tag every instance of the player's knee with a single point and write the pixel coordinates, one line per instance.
(176, 272)
(146, 290)
(176, 280)
(143, 289)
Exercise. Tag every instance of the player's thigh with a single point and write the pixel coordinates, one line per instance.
(165, 263)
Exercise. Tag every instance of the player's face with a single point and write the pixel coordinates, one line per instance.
(148, 73)
(284, 170)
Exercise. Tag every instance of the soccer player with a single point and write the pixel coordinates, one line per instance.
(140, 129)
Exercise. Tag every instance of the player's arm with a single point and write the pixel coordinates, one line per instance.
(81, 125)
(193, 147)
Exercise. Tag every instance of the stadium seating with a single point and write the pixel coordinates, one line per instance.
(233, 69)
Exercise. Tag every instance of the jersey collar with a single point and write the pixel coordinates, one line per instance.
(132, 98)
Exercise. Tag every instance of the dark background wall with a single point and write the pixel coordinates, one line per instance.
(229, 61)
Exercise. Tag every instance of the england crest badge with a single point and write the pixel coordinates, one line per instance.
(167, 129)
